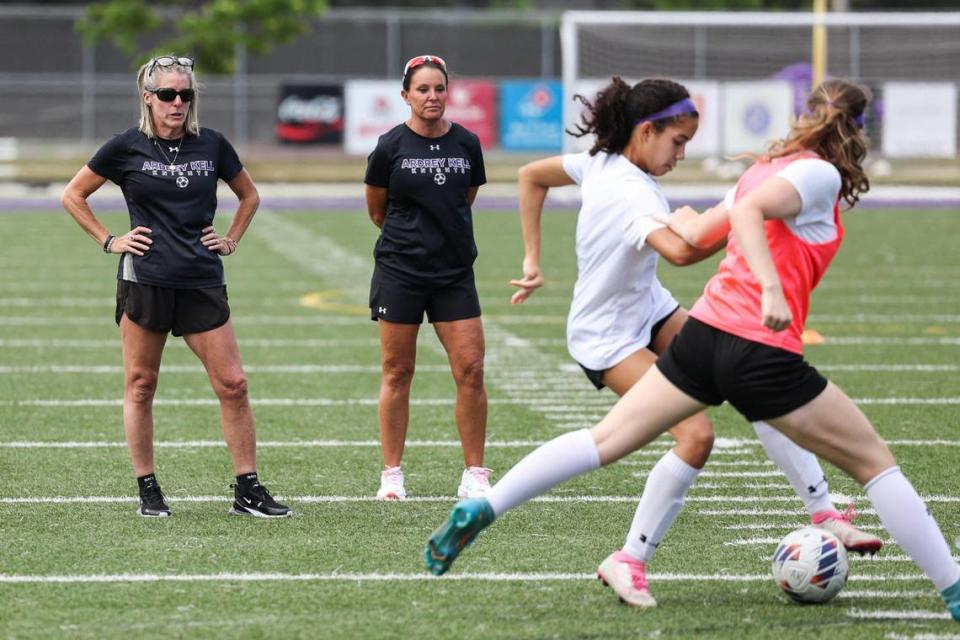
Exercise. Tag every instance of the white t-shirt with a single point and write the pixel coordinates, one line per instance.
(617, 297)
(818, 184)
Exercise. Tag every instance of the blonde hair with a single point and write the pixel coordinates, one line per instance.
(147, 80)
(832, 128)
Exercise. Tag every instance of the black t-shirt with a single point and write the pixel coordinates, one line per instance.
(174, 203)
(427, 235)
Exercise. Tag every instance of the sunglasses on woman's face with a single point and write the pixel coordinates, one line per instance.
(169, 95)
(169, 61)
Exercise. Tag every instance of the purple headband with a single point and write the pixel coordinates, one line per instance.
(682, 107)
(859, 120)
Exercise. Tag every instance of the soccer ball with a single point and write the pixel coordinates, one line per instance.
(810, 565)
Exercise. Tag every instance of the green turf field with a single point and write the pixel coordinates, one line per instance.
(75, 560)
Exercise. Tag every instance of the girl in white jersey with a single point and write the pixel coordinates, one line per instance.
(621, 317)
(741, 344)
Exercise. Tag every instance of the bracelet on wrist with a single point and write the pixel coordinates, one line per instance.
(108, 242)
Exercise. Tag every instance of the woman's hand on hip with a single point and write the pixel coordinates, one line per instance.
(137, 242)
(224, 245)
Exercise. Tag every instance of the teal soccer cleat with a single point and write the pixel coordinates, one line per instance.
(951, 595)
(468, 518)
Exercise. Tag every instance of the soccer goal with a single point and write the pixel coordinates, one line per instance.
(739, 60)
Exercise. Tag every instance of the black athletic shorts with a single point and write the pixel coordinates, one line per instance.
(596, 377)
(760, 381)
(178, 311)
(404, 303)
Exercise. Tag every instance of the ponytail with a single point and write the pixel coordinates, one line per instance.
(833, 129)
(618, 108)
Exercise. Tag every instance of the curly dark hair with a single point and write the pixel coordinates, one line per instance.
(615, 111)
(830, 129)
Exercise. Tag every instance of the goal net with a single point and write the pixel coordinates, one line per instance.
(737, 61)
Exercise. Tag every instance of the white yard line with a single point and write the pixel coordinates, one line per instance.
(785, 528)
(320, 499)
(412, 577)
(97, 343)
(898, 615)
(440, 368)
(329, 319)
(290, 444)
(267, 343)
(545, 406)
(652, 451)
(249, 368)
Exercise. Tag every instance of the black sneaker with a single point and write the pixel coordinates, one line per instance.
(255, 500)
(152, 502)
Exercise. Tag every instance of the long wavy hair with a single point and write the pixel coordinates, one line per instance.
(147, 81)
(830, 128)
(616, 109)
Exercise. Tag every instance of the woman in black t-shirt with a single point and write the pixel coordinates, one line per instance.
(170, 277)
(420, 183)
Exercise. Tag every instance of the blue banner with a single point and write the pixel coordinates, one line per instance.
(531, 117)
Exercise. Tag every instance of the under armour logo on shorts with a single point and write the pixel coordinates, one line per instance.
(382, 310)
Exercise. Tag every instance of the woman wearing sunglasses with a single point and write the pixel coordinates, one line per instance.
(170, 276)
(421, 180)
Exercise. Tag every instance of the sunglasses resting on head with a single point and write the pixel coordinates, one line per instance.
(413, 63)
(169, 61)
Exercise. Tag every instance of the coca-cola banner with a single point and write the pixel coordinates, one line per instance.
(310, 114)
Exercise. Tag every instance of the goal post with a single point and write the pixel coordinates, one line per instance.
(717, 51)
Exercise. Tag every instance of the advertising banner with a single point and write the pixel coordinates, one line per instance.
(373, 107)
(920, 119)
(755, 114)
(531, 116)
(310, 114)
(472, 104)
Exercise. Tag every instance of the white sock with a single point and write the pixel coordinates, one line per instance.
(543, 468)
(906, 517)
(662, 499)
(801, 467)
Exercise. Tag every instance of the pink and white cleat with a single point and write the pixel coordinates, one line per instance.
(841, 525)
(627, 576)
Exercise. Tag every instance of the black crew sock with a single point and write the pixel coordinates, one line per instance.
(247, 480)
(148, 481)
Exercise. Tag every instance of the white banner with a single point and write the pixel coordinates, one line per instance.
(372, 107)
(706, 95)
(920, 119)
(755, 114)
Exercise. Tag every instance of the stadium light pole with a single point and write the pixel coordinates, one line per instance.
(819, 61)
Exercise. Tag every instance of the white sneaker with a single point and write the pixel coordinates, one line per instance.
(391, 485)
(474, 483)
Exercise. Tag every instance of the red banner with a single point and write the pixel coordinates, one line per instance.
(472, 104)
